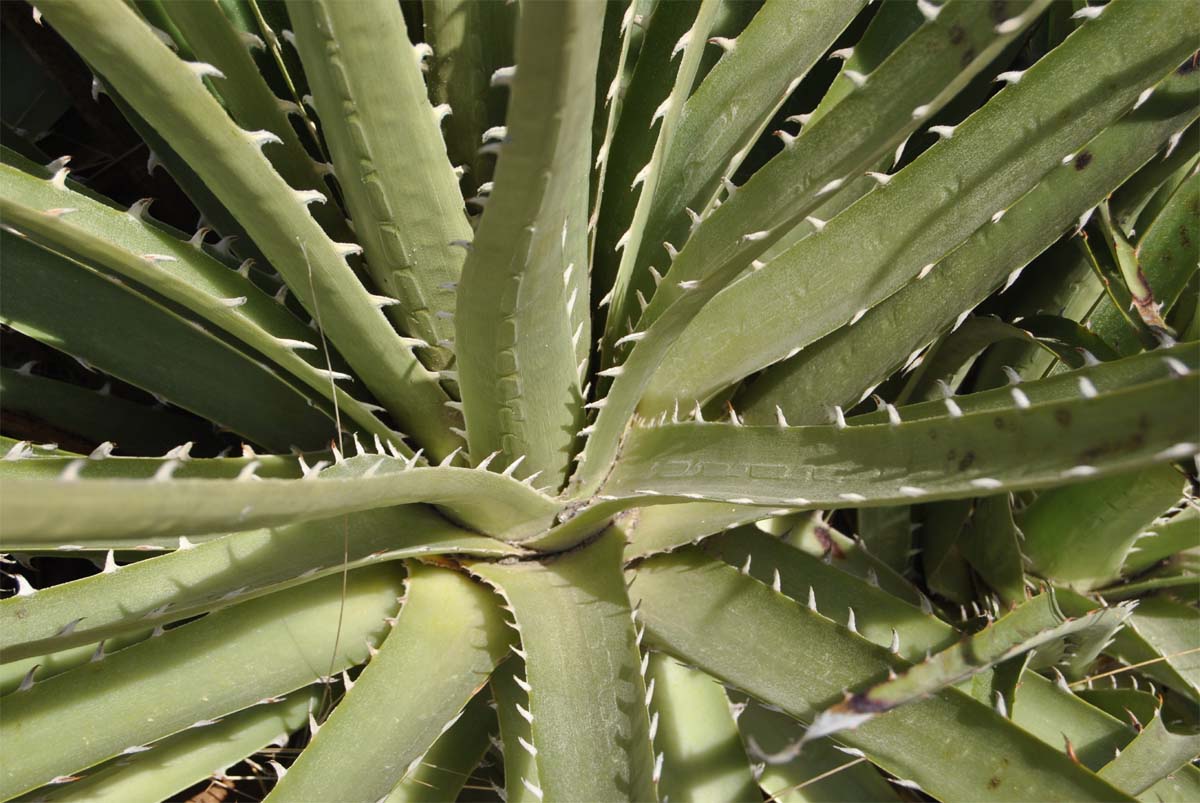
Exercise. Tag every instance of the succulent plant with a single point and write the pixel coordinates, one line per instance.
(596, 444)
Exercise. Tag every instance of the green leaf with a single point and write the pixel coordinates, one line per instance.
(587, 700)
(1121, 703)
(877, 613)
(947, 573)
(391, 161)
(94, 233)
(1157, 270)
(1105, 377)
(470, 41)
(729, 110)
(54, 512)
(791, 777)
(951, 191)
(1080, 535)
(1152, 756)
(891, 333)
(949, 359)
(816, 537)
(703, 759)
(720, 249)
(167, 92)
(224, 572)
(84, 313)
(192, 675)
(645, 184)
(636, 98)
(447, 767)
(79, 417)
(448, 637)
(520, 766)
(783, 654)
(213, 38)
(1164, 539)
(524, 283)
(1042, 708)
(1182, 787)
(1164, 631)
(1032, 624)
(188, 757)
(992, 545)
(1040, 445)
(1150, 188)
(13, 674)
(664, 528)
(25, 466)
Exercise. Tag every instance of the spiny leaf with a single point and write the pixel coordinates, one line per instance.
(523, 294)
(197, 578)
(60, 511)
(587, 700)
(207, 669)
(448, 637)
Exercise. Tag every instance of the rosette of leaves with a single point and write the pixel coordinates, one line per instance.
(679, 400)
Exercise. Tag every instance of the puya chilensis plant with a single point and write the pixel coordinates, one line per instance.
(598, 447)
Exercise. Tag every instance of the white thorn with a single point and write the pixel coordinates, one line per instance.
(830, 187)
(1010, 77)
(943, 131)
(928, 10)
(504, 76)
(839, 417)
(1012, 278)
(165, 471)
(1176, 366)
(1088, 13)
(815, 222)
(682, 43)
(855, 77)
(987, 483)
(882, 178)
(659, 113)
(202, 70)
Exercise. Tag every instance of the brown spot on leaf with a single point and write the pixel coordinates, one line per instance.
(967, 57)
(1063, 417)
(994, 783)
(966, 462)
(1083, 160)
(862, 704)
(998, 422)
(957, 34)
(825, 539)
